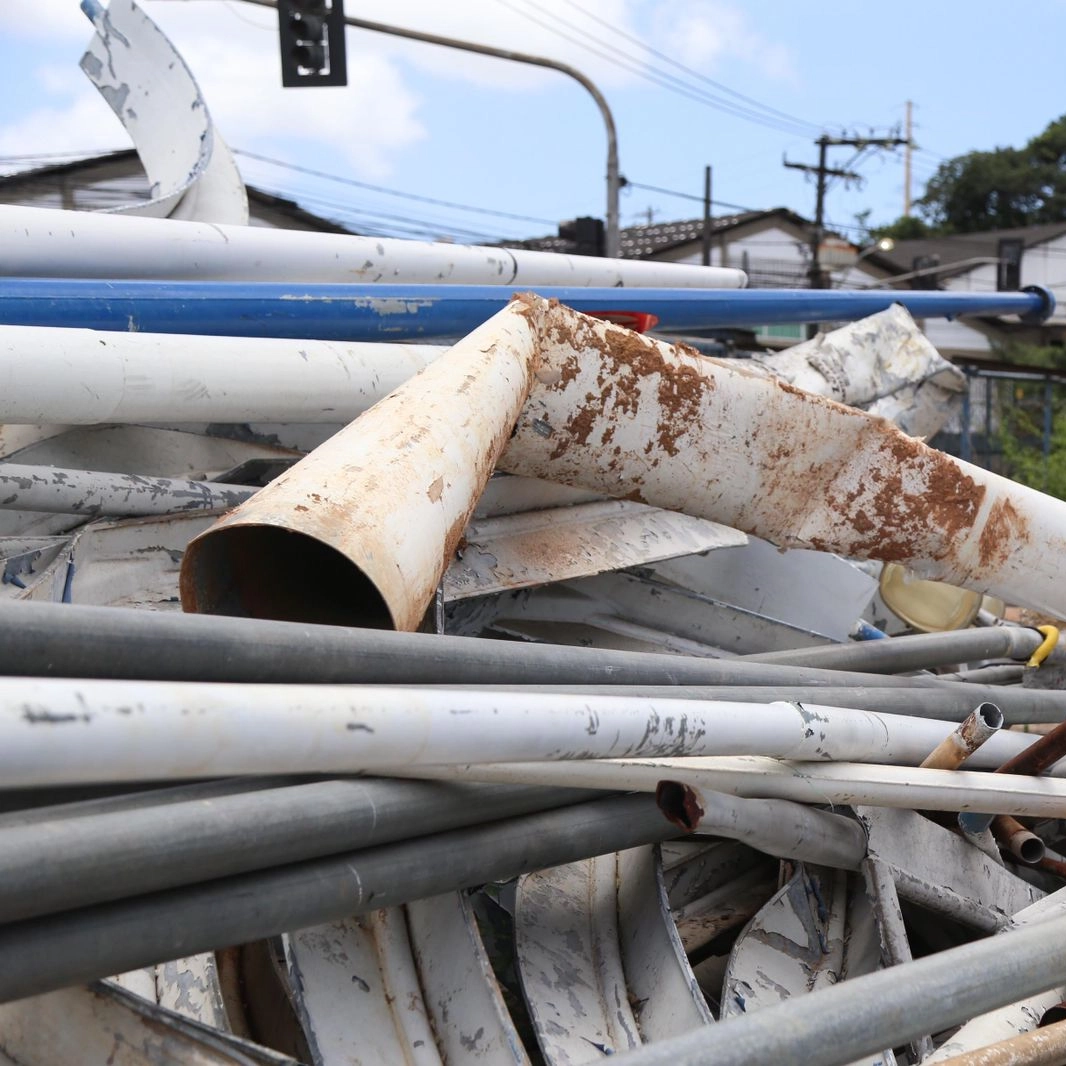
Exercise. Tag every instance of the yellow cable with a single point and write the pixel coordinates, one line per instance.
(1051, 638)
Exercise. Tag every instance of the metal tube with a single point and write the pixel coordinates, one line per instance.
(1038, 1047)
(980, 726)
(76, 861)
(402, 312)
(1042, 754)
(42, 954)
(362, 529)
(755, 777)
(92, 493)
(921, 651)
(785, 830)
(773, 461)
(866, 1014)
(1012, 836)
(55, 731)
(84, 377)
(44, 243)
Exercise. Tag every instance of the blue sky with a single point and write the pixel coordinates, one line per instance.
(497, 136)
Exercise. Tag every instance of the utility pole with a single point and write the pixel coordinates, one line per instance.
(907, 163)
(823, 172)
(706, 216)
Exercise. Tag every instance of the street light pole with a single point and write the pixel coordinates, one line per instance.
(614, 181)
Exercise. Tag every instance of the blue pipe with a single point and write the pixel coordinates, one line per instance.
(401, 312)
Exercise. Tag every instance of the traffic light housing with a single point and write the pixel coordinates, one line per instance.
(586, 235)
(311, 34)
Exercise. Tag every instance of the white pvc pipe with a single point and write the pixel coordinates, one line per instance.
(85, 377)
(759, 777)
(39, 242)
(55, 731)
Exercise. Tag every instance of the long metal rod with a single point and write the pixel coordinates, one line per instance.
(918, 652)
(399, 312)
(1038, 1047)
(614, 182)
(46, 953)
(806, 782)
(976, 730)
(78, 859)
(866, 1014)
(56, 490)
(55, 731)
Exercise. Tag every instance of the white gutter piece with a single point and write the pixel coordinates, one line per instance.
(145, 81)
(44, 243)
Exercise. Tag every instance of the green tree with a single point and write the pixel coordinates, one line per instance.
(1000, 189)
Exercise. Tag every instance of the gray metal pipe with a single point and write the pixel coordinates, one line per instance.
(779, 827)
(91, 492)
(866, 1014)
(78, 861)
(921, 651)
(43, 954)
(67, 640)
(945, 702)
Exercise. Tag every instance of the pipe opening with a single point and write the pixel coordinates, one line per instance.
(679, 803)
(1029, 848)
(266, 572)
(990, 715)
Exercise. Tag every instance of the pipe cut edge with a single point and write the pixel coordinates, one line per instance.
(361, 530)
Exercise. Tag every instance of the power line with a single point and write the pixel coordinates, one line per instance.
(643, 70)
(690, 71)
(686, 196)
(393, 192)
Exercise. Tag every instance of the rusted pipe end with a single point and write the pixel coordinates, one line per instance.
(680, 804)
(261, 571)
(991, 716)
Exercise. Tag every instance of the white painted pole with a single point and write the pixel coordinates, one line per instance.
(43, 243)
(759, 777)
(55, 731)
(85, 377)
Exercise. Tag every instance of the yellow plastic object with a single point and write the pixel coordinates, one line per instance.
(928, 606)
(1051, 638)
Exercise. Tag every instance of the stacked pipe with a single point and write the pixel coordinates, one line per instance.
(275, 693)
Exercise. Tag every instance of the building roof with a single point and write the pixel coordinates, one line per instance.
(961, 248)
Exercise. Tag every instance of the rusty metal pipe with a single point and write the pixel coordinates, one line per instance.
(980, 726)
(778, 827)
(1014, 837)
(42, 954)
(1039, 1047)
(361, 530)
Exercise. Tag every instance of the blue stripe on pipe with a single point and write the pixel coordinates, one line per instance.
(402, 312)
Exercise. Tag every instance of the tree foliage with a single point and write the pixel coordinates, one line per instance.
(1000, 189)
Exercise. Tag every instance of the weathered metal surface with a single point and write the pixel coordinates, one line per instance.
(627, 415)
(977, 728)
(974, 1038)
(84, 376)
(47, 243)
(883, 364)
(666, 996)
(567, 953)
(1040, 1047)
(191, 987)
(92, 493)
(104, 1024)
(153, 94)
(1012, 836)
(532, 548)
(355, 990)
(793, 946)
(200, 729)
(460, 993)
(381, 530)
(726, 907)
(765, 778)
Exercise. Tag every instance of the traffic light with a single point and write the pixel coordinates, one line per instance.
(311, 33)
(586, 235)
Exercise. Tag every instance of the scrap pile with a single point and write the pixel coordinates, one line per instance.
(520, 695)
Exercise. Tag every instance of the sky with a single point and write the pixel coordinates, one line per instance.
(737, 86)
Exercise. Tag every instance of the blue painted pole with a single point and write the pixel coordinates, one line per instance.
(402, 312)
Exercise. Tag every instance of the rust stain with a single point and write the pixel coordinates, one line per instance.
(1003, 532)
(435, 490)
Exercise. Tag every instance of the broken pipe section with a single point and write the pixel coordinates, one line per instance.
(361, 530)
